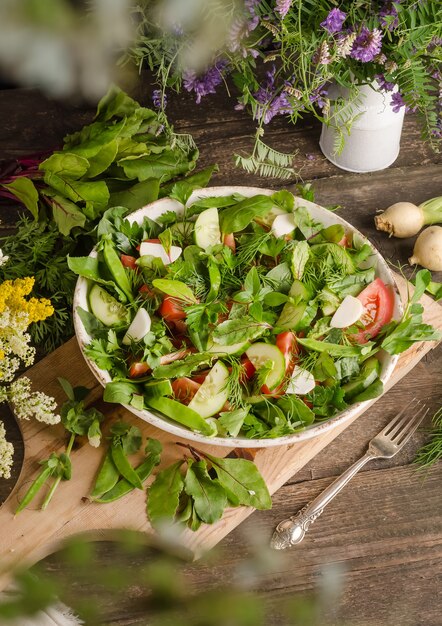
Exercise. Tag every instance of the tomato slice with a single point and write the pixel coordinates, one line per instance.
(378, 301)
(129, 261)
(138, 369)
(288, 345)
(171, 310)
(184, 389)
(229, 241)
(248, 369)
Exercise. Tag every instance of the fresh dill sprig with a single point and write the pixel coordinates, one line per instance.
(234, 384)
(428, 455)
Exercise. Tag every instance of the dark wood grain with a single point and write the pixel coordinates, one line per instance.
(385, 529)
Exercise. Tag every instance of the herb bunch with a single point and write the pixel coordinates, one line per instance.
(280, 58)
(78, 421)
(430, 453)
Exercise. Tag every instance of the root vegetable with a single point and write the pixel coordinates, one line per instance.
(404, 219)
(428, 249)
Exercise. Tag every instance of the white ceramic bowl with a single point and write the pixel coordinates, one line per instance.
(159, 207)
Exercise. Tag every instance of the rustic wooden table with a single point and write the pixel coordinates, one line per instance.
(385, 529)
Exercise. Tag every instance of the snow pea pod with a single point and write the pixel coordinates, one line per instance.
(215, 280)
(124, 487)
(107, 477)
(116, 268)
(34, 488)
(124, 467)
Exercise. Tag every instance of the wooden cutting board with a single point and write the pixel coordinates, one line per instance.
(34, 533)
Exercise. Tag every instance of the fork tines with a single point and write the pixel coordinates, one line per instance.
(401, 427)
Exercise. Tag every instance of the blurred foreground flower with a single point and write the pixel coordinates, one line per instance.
(64, 48)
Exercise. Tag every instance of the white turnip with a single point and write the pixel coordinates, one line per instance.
(428, 249)
(404, 219)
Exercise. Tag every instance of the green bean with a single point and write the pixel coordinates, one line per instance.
(34, 488)
(124, 467)
(117, 270)
(107, 477)
(215, 280)
(124, 487)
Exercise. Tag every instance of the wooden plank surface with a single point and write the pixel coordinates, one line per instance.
(394, 578)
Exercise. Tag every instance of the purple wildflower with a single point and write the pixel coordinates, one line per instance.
(318, 96)
(366, 45)
(388, 11)
(158, 99)
(383, 83)
(206, 83)
(310, 156)
(322, 55)
(239, 31)
(397, 102)
(283, 7)
(271, 104)
(334, 20)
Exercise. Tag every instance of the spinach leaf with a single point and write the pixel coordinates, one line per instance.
(25, 190)
(121, 392)
(353, 284)
(232, 421)
(242, 479)
(209, 498)
(409, 331)
(176, 289)
(284, 200)
(164, 494)
(137, 195)
(326, 401)
(235, 218)
(279, 278)
(238, 330)
(91, 324)
(334, 349)
(347, 367)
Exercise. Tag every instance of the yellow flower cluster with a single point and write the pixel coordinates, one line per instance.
(12, 296)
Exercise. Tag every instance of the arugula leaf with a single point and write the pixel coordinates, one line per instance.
(326, 401)
(409, 331)
(184, 367)
(421, 282)
(325, 367)
(238, 330)
(352, 285)
(331, 234)
(164, 494)
(284, 200)
(209, 498)
(300, 256)
(235, 218)
(295, 409)
(24, 189)
(242, 479)
(347, 367)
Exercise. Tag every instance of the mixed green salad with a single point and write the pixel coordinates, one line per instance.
(239, 316)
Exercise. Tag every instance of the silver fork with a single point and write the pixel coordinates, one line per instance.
(384, 446)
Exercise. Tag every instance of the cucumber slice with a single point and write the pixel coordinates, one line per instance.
(368, 374)
(260, 354)
(182, 230)
(207, 230)
(183, 415)
(212, 395)
(157, 388)
(236, 348)
(106, 308)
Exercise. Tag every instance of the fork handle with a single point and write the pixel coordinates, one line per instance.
(292, 530)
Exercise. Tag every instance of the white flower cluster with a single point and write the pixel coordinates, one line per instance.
(27, 403)
(14, 343)
(6, 454)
